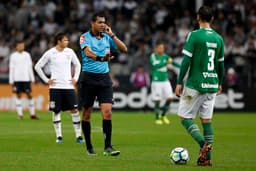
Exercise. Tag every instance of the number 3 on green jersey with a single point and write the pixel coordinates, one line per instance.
(211, 54)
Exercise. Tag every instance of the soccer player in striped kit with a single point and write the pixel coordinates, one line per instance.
(61, 83)
(20, 77)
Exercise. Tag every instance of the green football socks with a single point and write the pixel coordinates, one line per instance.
(165, 107)
(208, 135)
(194, 131)
(157, 109)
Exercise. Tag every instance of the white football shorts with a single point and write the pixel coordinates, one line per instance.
(193, 102)
(161, 90)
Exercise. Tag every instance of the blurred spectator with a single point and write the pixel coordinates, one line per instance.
(22, 17)
(183, 32)
(49, 26)
(140, 57)
(160, 14)
(140, 78)
(115, 82)
(4, 58)
(138, 23)
(111, 6)
(231, 78)
(128, 8)
(4, 49)
(49, 9)
(98, 5)
(250, 46)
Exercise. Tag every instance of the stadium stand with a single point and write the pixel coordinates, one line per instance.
(169, 20)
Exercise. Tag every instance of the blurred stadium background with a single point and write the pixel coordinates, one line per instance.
(139, 24)
(27, 145)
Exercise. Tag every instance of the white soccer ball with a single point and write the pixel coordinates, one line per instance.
(179, 155)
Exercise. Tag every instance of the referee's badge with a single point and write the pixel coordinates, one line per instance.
(52, 104)
(82, 39)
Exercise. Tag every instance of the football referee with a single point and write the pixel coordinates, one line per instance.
(97, 47)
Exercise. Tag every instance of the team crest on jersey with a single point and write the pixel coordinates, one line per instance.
(82, 39)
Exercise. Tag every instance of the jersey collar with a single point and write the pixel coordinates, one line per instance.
(101, 34)
(205, 28)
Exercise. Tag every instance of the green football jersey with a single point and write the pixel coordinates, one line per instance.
(159, 67)
(205, 47)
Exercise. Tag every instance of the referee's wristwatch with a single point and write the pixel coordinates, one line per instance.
(113, 35)
(99, 58)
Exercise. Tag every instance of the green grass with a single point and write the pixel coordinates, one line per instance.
(30, 145)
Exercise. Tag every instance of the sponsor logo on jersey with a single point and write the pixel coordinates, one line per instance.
(209, 75)
(206, 85)
(211, 45)
(163, 69)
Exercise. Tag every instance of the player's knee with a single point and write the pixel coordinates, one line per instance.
(86, 117)
(206, 120)
(181, 118)
(169, 100)
(74, 110)
(86, 114)
(19, 95)
(106, 113)
(28, 94)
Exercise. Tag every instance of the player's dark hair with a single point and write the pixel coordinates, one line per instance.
(159, 42)
(59, 36)
(205, 13)
(97, 14)
(19, 41)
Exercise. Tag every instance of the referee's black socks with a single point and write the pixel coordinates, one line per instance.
(107, 131)
(86, 127)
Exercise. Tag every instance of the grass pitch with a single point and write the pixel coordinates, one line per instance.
(30, 144)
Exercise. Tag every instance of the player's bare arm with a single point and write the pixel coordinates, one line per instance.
(219, 90)
(51, 81)
(183, 70)
(121, 46)
(169, 61)
(73, 82)
(178, 90)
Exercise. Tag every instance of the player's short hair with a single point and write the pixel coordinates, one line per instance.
(205, 13)
(97, 14)
(159, 42)
(59, 36)
(19, 41)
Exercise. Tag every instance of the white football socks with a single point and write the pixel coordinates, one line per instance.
(56, 118)
(31, 107)
(76, 123)
(19, 107)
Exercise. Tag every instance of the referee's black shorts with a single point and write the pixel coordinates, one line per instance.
(95, 86)
(22, 87)
(62, 100)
